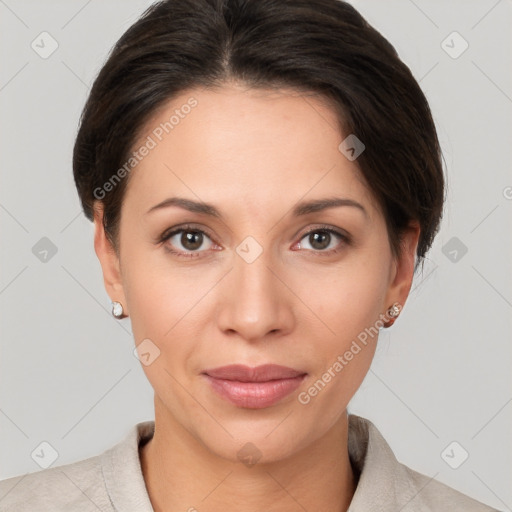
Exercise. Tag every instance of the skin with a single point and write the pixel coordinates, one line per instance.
(253, 154)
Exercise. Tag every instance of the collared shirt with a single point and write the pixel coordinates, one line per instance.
(113, 480)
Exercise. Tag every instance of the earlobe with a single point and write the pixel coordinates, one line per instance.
(400, 286)
(109, 260)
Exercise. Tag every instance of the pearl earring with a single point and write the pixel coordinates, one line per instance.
(117, 310)
(393, 312)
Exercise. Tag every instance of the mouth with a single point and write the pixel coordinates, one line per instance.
(254, 388)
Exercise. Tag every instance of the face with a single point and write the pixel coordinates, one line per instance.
(261, 282)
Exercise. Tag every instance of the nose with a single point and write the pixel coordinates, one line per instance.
(255, 301)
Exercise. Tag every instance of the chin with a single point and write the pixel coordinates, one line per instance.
(248, 441)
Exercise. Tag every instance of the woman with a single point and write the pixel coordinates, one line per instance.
(264, 178)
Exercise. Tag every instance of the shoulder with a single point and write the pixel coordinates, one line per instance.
(393, 485)
(77, 486)
(111, 480)
(433, 495)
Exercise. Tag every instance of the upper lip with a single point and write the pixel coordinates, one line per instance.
(263, 373)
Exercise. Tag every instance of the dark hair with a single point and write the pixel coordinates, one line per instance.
(324, 47)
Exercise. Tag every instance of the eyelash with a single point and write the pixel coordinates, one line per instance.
(324, 229)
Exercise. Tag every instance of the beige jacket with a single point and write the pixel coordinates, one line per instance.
(113, 481)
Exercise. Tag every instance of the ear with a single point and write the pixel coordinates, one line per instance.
(402, 271)
(109, 260)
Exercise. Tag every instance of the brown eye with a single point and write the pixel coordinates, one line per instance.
(323, 240)
(319, 240)
(186, 242)
(191, 240)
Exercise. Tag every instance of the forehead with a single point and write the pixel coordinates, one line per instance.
(252, 146)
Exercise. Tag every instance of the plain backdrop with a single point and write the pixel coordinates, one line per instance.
(441, 374)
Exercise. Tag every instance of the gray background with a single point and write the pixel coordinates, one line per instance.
(441, 374)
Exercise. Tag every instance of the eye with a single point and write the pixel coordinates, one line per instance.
(321, 238)
(189, 238)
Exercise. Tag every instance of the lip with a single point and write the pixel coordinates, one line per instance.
(254, 388)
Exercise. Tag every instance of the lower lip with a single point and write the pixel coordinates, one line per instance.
(255, 395)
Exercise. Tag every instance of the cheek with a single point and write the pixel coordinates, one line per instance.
(341, 358)
(348, 306)
(168, 305)
(348, 298)
(153, 290)
(157, 302)
(161, 312)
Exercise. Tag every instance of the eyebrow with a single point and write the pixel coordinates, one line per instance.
(303, 208)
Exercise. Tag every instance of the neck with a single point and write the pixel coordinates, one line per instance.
(182, 473)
